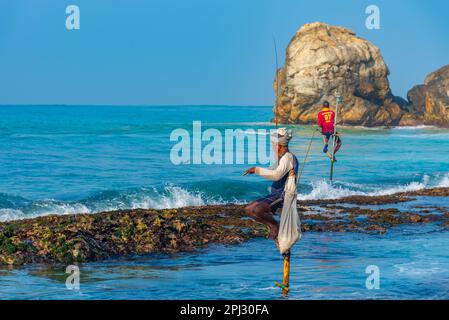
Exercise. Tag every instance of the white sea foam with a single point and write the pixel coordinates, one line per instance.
(11, 214)
(43, 208)
(420, 127)
(415, 269)
(173, 197)
(170, 197)
(322, 189)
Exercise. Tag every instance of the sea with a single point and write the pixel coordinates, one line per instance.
(87, 159)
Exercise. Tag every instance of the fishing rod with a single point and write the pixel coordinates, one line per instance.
(277, 84)
(334, 138)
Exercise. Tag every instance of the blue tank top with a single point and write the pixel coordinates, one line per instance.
(277, 187)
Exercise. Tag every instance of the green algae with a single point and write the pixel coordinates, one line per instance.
(92, 237)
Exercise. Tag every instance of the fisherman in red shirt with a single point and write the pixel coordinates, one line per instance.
(326, 121)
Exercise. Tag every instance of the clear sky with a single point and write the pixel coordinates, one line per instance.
(159, 52)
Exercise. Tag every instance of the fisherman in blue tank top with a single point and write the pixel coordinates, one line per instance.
(262, 209)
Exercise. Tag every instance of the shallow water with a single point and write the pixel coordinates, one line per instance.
(412, 260)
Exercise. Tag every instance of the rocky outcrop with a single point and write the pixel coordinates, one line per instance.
(323, 61)
(90, 237)
(430, 102)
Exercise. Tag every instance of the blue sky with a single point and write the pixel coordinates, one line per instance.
(159, 52)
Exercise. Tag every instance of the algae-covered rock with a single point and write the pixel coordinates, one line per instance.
(91, 237)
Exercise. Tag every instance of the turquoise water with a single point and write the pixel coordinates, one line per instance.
(69, 159)
(61, 159)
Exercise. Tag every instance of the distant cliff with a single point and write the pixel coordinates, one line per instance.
(323, 61)
(429, 103)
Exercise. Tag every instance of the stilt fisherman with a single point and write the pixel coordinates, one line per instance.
(262, 209)
(326, 121)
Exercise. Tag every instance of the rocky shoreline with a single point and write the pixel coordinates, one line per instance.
(93, 237)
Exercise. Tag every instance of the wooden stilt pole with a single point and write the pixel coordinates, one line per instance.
(334, 138)
(285, 285)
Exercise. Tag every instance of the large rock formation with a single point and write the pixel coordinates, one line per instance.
(323, 60)
(429, 103)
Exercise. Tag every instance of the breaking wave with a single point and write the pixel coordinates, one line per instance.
(169, 196)
(173, 196)
(322, 189)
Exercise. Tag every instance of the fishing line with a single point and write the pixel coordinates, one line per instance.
(305, 159)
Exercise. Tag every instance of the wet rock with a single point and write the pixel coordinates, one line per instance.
(411, 120)
(435, 192)
(92, 237)
(375, 227)
(79, 238)
(362, 200)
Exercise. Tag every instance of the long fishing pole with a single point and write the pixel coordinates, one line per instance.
(277, 84)
(305, 159)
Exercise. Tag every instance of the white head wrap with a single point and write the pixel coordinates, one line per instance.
(282, 136)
